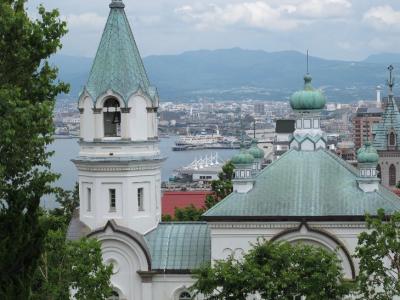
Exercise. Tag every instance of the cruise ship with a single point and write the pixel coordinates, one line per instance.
(206, 141)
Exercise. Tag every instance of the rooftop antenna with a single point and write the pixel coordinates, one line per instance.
(307, 62)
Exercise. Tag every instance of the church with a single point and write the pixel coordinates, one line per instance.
(308, 195)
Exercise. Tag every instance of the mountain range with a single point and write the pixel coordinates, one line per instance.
(238, 74)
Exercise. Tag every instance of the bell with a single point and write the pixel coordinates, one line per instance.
(116, 118)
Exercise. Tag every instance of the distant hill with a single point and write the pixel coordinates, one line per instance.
(247, 74)
(383, 58)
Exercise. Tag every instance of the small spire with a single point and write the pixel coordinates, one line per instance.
(390, 82)
(117, 4)
(307, 62)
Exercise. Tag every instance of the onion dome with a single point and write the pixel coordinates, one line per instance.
(367, 154)
(242, 158)
(256, 152)
(309, 98)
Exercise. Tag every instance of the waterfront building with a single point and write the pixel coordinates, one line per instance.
(386, 140)
(308, 195)
(363, 121)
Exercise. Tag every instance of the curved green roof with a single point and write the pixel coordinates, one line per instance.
(256, 152)
(118, 65)
(308, 98)
(367, 154)
(242, 158)
(305, 184)
(179, 246)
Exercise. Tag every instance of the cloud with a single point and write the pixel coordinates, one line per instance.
(382, 17)
(86, 21)
(261, 15)
(318, 9)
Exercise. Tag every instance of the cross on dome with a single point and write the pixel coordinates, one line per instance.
(390, 82)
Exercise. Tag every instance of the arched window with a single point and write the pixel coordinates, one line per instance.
(378, 171)
(392, 139)
(185, 296)
(114, 296)
(392, 175)
(112, 118)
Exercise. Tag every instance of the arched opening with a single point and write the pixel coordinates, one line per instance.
(112, 118)
(392, 175)
(392, 139)
(114, 296)
(378, 171)
(185, 295)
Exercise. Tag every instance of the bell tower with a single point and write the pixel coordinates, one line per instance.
(119, 162)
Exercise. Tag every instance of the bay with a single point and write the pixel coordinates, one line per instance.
(67, 149)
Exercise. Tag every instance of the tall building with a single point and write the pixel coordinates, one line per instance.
(386, 140)
(259, 108)
(309, 195)
(363, 121)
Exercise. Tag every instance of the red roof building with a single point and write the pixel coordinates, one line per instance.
(179, 199)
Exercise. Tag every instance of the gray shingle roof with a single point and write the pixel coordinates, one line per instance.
(179, 245)
(390, 120)
(305, 184)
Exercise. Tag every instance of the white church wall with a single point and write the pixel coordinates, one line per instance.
(138, 118)
(127, 258)
(126, 211)
(87, 120)
(168, 286)
(237, 238)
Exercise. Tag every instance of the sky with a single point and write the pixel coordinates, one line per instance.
(334, 29)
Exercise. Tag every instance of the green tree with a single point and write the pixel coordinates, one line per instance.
(379, 253)
(221, 187)
(68, 201)
(28, 90)
(274, 271)
(189, 213)
(66, 266)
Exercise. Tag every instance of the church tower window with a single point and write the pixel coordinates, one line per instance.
(392, 139)
(378, 171)
(113, 202)
(392, 175)
(89, 199)
(112, 118)
(140, 198)
(185, 296)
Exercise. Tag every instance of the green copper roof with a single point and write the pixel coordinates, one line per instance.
(118, 65)
(256, 152)
(309, 184)
(309, 98)
(179, 245)
(367, 154)
(242, 158)
(390, 121)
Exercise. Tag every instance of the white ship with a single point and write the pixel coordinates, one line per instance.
(205, 141)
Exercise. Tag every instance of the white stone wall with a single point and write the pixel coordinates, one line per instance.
(125, 183)
(237, 238)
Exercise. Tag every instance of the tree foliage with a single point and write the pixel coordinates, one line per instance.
(221, 187)
(379, 253)
(28, 90)
(274, 271)
(66, 266)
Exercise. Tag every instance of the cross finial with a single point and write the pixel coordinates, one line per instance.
(390, 82)
(307, 61)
